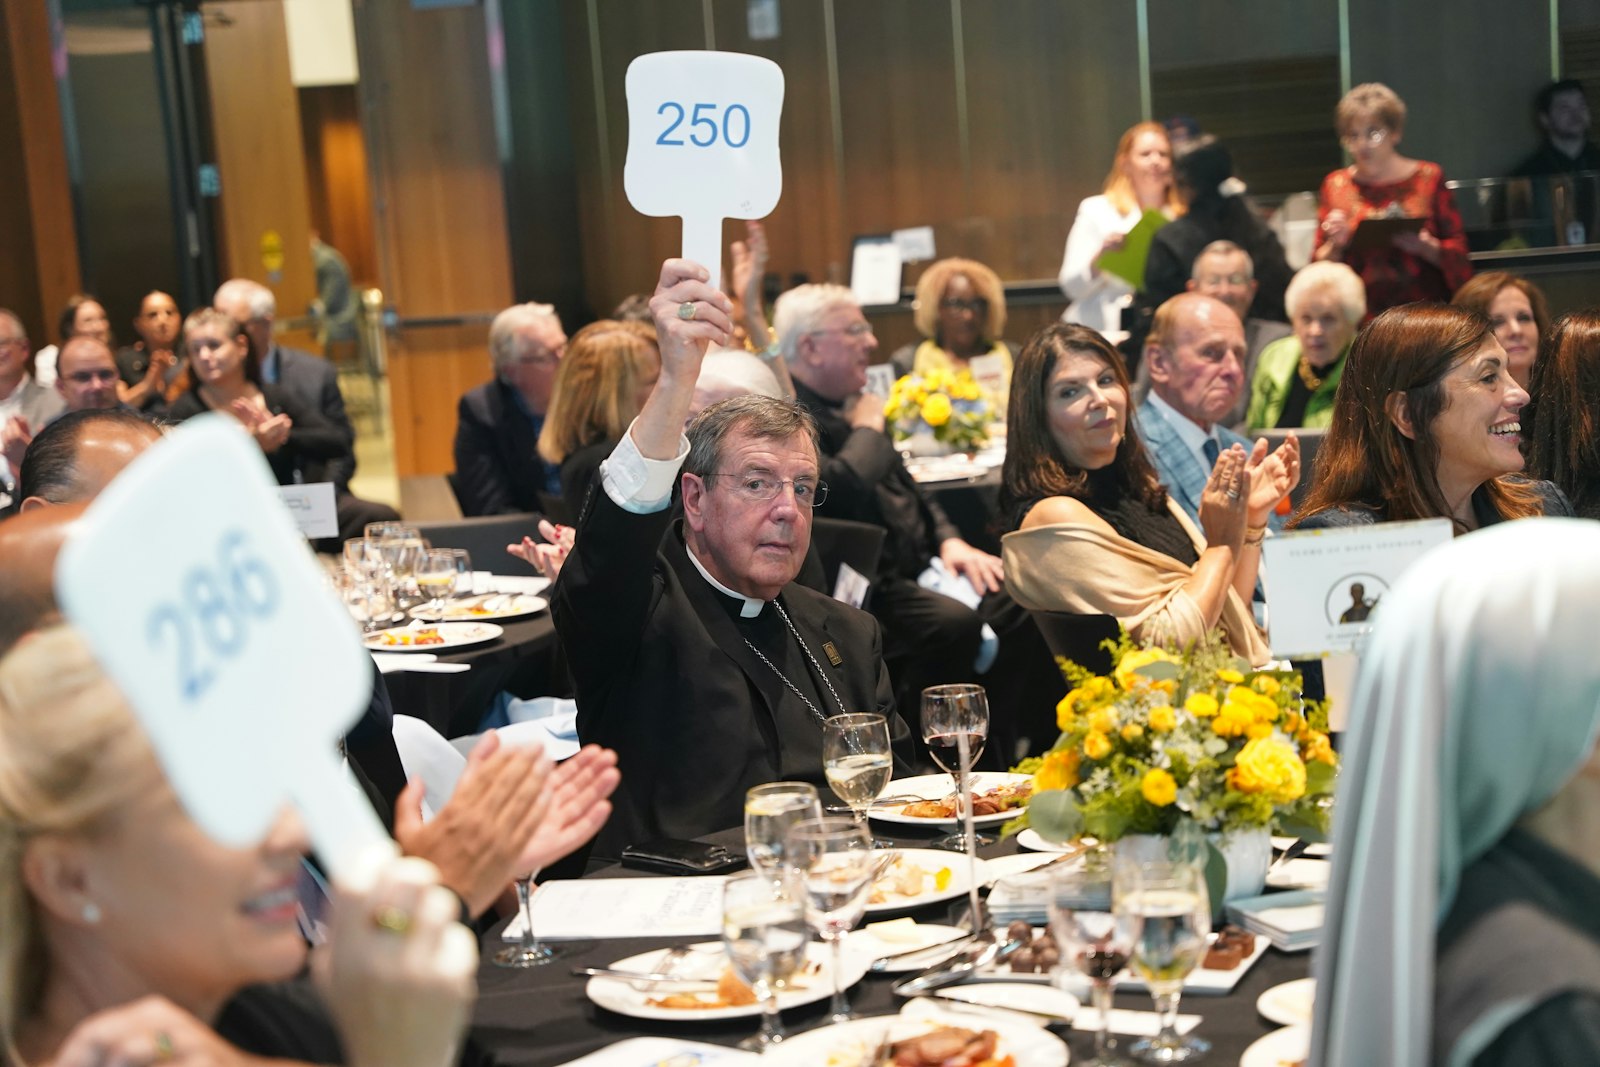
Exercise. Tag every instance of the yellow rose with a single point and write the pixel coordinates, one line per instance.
(1316, 747)
(1158, 787)
(1126, 674)
(1067, 709)
(1103, 721)
(1163, 719)
(1260, 729)
(1096, 745)
(1230, 676)
(1271, 768)
(1132, 732)
(1258, 707)
(1201, 704)
(1232, 720)
(1267, 685)
(1099, 688)
(936, 410)
(1060, 771)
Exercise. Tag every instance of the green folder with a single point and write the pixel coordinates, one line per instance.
(1128, 261)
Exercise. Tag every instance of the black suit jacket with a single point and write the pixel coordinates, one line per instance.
(664, 677)
(315, 383)
(498, 469)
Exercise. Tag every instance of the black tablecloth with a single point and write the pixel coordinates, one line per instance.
(523, 660)
(541, 1017)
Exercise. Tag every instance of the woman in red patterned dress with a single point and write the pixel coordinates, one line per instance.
(1428, 265)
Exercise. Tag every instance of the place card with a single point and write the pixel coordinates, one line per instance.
(313, 508)
(604, 908)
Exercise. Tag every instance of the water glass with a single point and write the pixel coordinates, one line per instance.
(833, 863)
(1170, 903)
(951, 713)
(770, 812)
(1094, 938)
(464, 583)
(529, 951)
(436, 576)
(857, 759)
(764, 932)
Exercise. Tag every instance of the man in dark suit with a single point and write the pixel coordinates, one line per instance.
(311, 378)
(498, 469)
(694, 653)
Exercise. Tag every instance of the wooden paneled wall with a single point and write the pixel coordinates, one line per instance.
(337, 179)
(256, 133)
(439, 209)
(39, 262)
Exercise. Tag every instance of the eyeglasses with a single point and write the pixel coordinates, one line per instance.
(13, 340)
(1371, 135)
(855, 329)
(1226, 279)
(84, 377)
(978, 306)
(761, 488)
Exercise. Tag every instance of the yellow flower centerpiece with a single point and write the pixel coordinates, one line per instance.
(948, 406)
(1183, 744)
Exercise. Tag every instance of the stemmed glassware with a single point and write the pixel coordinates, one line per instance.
(857, 759)
(949, 714)
(770, 812)
(1094, 937)
(1170, 902)
(764, 931)
(462, 561)
(436, 576)
(530, 951)
(361, 584)
(833, 863)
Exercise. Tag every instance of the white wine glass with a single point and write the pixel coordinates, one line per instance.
(1094, 938)
(770, 812)
(951, 713)
(436, 577)
(464, 581)
(1170, 903)
(764, 932)
(857, 759)
(833, 863)
(529, 951)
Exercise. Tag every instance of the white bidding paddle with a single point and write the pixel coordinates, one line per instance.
(703, 143)
(241, 664)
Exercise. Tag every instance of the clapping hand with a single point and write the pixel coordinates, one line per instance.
(149, 1030)
(1224, 500)
(15, 437)
(1273, 476)
(549, 557)
(578, 788)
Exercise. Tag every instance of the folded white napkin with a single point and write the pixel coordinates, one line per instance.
(553, 720)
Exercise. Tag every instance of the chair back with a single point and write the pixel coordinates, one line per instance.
(485, 538)
(1078, 637)
(836, 541)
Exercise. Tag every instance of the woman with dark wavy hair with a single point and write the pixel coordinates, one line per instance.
(1427, 424)
(1565, 411)
(1097, 534)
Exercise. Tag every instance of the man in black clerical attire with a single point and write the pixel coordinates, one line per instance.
(694, 654)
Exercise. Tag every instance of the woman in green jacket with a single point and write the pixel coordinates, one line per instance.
(1297, 377)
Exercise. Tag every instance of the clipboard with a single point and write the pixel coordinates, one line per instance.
(1128, 262)
(1377, 232)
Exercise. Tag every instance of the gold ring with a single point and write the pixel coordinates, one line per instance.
(686, 310)
(390, 918)
(164, 1049)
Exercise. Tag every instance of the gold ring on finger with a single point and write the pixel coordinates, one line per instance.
(163, 1044)
(390, 918)
(686, 310)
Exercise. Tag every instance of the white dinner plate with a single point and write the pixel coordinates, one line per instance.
(1300, 873)
(931, 861)
(850, 1044)
(1201, 981)
(450, 634)
(918, 936)
(1017, 996)
(500, 606)
(1289, 1004)
(938, 786)
(1279, 1048)
(1317, 850)
(619, 995)
(1031, 839)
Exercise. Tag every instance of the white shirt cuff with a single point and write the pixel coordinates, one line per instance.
(637, 483)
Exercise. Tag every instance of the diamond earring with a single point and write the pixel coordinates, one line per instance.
(91, 912)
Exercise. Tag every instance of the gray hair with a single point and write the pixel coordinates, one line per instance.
(257, 297)
(764, 417)
(505, 346)
(1222, 248)
(1344, 283)
(22, 330)
(800, 311)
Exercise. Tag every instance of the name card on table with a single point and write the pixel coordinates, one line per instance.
(703, 143)
(239, 661)
(1324, 587)
(312, 507)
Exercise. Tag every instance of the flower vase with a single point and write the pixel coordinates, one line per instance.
(923, 445)
(1248, 854)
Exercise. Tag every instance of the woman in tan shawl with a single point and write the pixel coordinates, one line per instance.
(1097, 533)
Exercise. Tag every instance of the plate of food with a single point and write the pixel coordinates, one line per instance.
(710, 989)
(487, 607)
(1289, 1047)
(1289, 1004)
(920, 876)
(1232, 953)
(911, 942)
(439, 637)
(997, 797)
(924, 1035)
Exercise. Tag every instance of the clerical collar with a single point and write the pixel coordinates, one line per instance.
(750, 608)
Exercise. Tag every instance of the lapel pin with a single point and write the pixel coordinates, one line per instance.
(833, 653)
